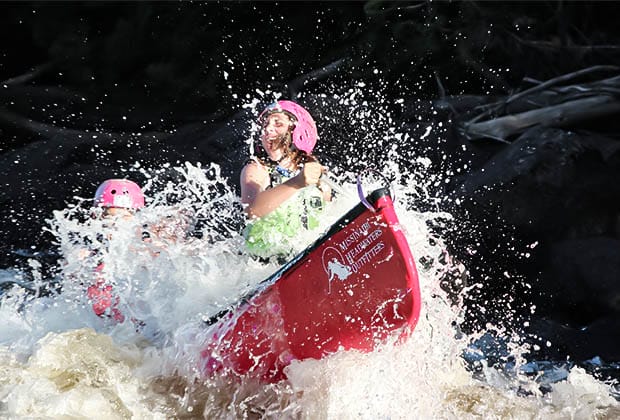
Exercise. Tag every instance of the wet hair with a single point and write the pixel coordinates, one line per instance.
(298, 156)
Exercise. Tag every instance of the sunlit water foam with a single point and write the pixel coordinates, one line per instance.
(59, 359)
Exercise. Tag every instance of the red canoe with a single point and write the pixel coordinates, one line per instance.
(351, 289)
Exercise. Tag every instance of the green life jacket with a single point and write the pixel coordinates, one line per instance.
(277, 233)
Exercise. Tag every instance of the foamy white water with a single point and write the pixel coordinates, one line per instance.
(59, 360)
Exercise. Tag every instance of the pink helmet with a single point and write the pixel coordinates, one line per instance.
(119, 193)
(304, 134)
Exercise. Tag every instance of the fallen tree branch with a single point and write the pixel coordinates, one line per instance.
(609, 85)
(555, 46)
(314, 76)
(50, 131)
(561, 115)
(493, 108)
(560, 79)
(561, 94)
(27, 77)
(380, 8)
(45, 93)
(442, 90)
(547, 45)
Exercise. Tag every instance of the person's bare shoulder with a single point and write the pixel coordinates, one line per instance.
(254, 172)
(254, 179)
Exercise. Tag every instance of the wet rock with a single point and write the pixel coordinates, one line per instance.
(559, 341)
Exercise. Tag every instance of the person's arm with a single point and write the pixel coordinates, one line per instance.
(326, 192)
(260, 201)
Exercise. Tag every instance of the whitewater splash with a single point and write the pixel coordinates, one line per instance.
(58, 359)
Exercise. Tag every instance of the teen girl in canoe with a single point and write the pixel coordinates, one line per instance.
(280, 185)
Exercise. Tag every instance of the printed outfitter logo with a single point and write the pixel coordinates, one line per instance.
(334, 266)
(359, 248)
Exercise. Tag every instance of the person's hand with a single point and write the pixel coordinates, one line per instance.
(311, 173)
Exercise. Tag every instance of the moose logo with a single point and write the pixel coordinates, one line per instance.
(334, 265)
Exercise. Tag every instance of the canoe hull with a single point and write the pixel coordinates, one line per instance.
(352, 289)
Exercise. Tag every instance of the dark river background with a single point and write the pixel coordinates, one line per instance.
(502, 117)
